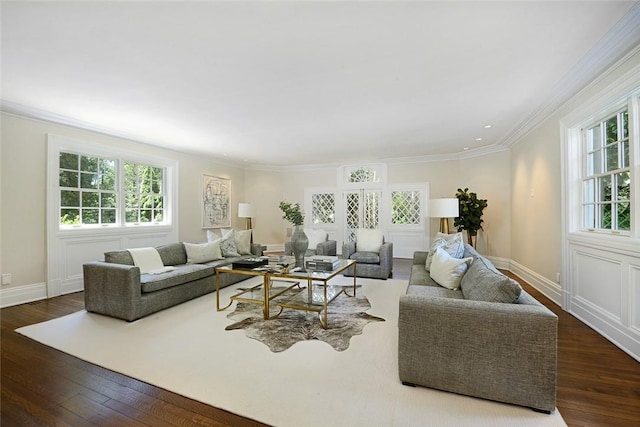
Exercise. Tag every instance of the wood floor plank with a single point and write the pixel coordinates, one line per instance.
(598, 384)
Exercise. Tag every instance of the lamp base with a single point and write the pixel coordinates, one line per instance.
(444, 225)
(249, 228)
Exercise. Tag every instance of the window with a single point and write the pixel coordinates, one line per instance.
(323, 208)
(143, 190)
(606, 183)
(94, 186)
(405, 207)
(87, 190)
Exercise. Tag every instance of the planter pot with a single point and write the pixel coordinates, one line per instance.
(299, 245)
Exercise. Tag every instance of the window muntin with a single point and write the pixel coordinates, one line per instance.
(405, 207)
(144, 193)
(323, 208)
(90, 192)
(87, 190)
(607, 181)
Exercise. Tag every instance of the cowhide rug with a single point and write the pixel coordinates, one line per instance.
(346, 318)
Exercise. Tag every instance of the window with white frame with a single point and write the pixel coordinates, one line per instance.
(607, 175)
(95, 186)
(405, 207)
(323, 208)
(88, 189)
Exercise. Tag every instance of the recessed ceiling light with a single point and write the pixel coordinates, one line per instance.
(465, 148)
(478, 139)
(487, 126)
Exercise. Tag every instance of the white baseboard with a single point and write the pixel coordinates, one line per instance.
(547, 287)
(22, 294)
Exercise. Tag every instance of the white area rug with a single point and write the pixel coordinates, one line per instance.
(186, 350)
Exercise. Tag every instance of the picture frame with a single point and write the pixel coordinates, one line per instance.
(216, 202)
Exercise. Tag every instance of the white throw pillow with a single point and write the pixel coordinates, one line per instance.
(315, 236)
(212, 236)
(448, 271)
(243, 241)
(203, 252)
(452, 243)
(369, 240)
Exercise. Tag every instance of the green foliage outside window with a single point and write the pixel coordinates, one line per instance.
(89, 191)
(607, 186)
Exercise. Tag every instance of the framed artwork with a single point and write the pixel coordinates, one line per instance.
(216, 202)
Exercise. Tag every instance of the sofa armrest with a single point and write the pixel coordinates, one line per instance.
(420, 257)
(112, 289)
(348, 249)
(256, 249)
(328, 247)
(503, 352)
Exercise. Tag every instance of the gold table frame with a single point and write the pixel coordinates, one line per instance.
(299, 301)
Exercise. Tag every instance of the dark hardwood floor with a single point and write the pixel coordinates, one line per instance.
(598, 384)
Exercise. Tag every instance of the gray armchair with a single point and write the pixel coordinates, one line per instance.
(370, 264)
(319, 244)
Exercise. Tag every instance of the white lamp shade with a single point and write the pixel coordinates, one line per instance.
(244, 210)
(444, 208)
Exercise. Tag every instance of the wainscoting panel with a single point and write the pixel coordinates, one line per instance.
(406, 242)
(69, 251)
(634, 301)
(598, 282)
(603, 289)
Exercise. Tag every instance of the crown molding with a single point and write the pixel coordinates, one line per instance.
(615, 48)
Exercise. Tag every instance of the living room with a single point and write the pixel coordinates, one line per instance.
(530, 226)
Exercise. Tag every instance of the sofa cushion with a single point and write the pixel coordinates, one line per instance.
(315, 236)
(366, 257)
(434, 291)
(420, 276)
(203, 252)
(172, 254)
(484, 283)
(448, 271)
(369, 240)
(452, 243)
(182, 274)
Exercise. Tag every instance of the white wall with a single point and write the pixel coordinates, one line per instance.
(601, 281)
(23, 192)
(487, 175)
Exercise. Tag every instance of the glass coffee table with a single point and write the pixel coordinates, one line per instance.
(314, 297)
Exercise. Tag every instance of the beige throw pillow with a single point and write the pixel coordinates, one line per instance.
(203, 252)
(243, 241)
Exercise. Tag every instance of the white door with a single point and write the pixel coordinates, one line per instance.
(361, 210)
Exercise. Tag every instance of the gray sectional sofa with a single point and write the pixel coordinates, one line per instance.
(462, 342)
(116, 288)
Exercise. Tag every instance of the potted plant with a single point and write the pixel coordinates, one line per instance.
(470, 215)
(299, 240)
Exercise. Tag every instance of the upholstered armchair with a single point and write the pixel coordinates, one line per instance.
(374, 256)
(319, 243)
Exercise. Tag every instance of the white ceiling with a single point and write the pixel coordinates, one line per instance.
(290, 83)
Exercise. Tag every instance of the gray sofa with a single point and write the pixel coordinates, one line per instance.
(116, 288)
(455, 340)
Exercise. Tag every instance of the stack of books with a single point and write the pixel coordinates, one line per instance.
(321, 263)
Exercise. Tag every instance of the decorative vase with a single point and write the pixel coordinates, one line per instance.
(299, 245)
